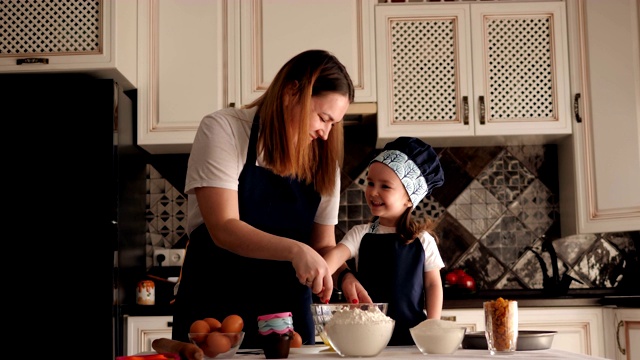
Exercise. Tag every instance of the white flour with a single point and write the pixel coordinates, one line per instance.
(359, 332)
(434, 336)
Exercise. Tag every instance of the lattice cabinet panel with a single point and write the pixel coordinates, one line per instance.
(448, 72)
(97, 37)
(55, 27)
(423, 73)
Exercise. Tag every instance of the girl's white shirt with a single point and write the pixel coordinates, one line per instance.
(218, 155)
(353, 238)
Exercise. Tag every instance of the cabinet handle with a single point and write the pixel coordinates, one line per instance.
(622, 351)
(169, 323)
(576, 107)
(465, 107)
(482, 111)
(232, 104)
(32, 61)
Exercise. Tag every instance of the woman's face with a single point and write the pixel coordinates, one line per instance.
(385, 194)
(326, 110)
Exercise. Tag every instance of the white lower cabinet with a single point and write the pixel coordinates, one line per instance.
(622, 333)
(579, 329)
(140, 331)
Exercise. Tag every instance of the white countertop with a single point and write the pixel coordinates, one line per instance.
(412, 352)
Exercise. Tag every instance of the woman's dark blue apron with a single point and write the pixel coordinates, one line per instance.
(217, 283)
(393, 272)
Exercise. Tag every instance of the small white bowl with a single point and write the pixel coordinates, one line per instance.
(443, 340)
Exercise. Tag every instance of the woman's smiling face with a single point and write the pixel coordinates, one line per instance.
(386, 196)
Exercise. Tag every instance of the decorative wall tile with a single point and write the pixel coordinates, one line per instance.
(480, 262)
(494, 203)
(506, 239)
(531, 156)
(602, 265)
(571, 248)
(509, 281)
(476, 209)
(506, 178)
(536, 207)
(454, 240)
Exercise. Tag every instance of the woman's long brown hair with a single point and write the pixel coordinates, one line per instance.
(310, 73)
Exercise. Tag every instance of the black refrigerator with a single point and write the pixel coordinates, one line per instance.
(76, 193)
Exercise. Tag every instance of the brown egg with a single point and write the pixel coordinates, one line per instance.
(218, 343)
(201, 329)
(214, 324)
(232, 324)
(296, 340)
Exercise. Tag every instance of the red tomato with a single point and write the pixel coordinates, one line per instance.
(451, 278)
(467, 282)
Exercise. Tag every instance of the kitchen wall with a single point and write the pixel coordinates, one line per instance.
(497, 206)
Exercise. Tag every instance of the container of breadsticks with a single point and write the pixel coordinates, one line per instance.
(501, 321)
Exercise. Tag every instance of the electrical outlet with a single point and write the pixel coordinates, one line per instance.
(176, 257)
(172, 257)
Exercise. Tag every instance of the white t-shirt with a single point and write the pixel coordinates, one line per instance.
(432, 258)
(218, 155)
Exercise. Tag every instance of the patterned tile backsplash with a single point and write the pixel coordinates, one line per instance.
(493, 215)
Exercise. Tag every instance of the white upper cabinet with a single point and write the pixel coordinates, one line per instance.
(600, 164)
(273, 31)
(182, 70)
(472, 74)
(196, 57)
(97, 37)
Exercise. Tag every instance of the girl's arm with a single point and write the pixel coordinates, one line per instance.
(433, 294)
(336, 257)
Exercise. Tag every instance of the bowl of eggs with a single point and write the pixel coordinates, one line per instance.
(218, 340)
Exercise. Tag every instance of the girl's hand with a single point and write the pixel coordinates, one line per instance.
(353, 290)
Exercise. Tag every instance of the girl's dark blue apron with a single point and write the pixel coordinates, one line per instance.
(393, 272)
(217, 283)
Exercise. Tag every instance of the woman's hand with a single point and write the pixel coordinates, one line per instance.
(353, 290)
(312, 271)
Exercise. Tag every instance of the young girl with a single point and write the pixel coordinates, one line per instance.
(397, 259)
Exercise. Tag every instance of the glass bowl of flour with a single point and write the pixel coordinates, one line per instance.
(354, 330)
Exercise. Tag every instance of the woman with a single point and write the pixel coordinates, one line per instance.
(264, 187)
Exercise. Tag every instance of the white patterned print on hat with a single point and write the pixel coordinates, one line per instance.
(407, 171)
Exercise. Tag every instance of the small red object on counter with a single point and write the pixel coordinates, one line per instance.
(161, 356)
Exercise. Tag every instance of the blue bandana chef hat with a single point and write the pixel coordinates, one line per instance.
(416, 164)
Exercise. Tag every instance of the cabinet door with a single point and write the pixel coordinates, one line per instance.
(600, 165)
(472, 319)
(142, 330)
(95, 37)
(520, 68)
(273, 31)
(580, 330)
(470, 74)
(183, 69)
(423, 56)
(622, 331)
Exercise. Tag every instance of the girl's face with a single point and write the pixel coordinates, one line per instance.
(385, 194)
